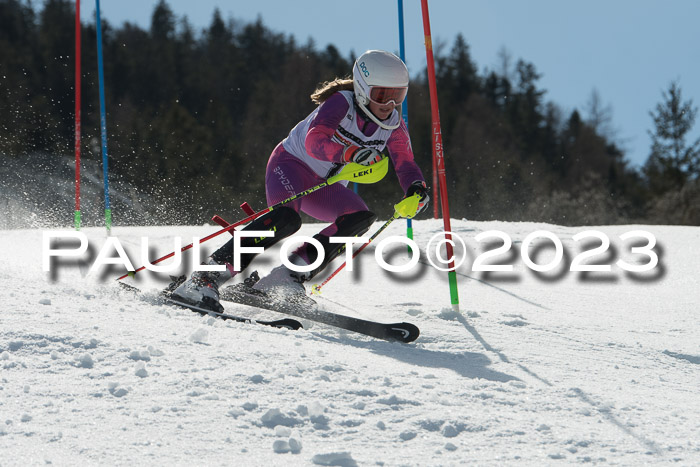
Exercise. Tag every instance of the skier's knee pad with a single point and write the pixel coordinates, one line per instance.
(349, 225)
(354, 224)
(283, 221)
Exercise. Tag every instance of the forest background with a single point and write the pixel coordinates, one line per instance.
(192, 117)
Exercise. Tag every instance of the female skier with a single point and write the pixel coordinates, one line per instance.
(355, 121)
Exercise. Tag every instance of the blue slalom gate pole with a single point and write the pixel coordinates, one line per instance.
(404, 107)
(103, 119)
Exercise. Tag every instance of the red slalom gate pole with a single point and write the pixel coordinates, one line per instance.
(438, 157)
(76, 216)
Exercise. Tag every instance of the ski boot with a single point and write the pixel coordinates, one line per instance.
(283, 283)
(201, 290)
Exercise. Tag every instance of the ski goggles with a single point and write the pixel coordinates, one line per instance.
(382, 95)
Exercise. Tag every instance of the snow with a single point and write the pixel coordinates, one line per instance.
(536, 368)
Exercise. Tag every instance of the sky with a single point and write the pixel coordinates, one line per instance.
(629, 51)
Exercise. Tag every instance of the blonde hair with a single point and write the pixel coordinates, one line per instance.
(328, 88)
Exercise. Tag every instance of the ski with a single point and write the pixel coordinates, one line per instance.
(300, 307)
(306, 308)
(286, 323)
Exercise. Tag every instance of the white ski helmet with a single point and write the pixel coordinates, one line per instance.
(380, 77)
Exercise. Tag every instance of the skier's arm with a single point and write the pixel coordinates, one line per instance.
(401, 153)
(319, 139)
(410, 176)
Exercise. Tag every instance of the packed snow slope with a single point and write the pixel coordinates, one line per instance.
(549, 368)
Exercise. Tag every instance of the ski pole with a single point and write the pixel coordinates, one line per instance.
(351, 172)
(316, 289)
(406, 208)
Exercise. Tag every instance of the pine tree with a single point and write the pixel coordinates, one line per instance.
(672, 162)
(525, 108)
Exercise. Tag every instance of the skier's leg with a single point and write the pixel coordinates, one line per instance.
(202, 288)
(283, 222)
(350, 218)
(286, 176)
(347, 225)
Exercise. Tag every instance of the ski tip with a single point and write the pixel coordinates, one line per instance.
(129, 288)
(287, 323)
(404, 332)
